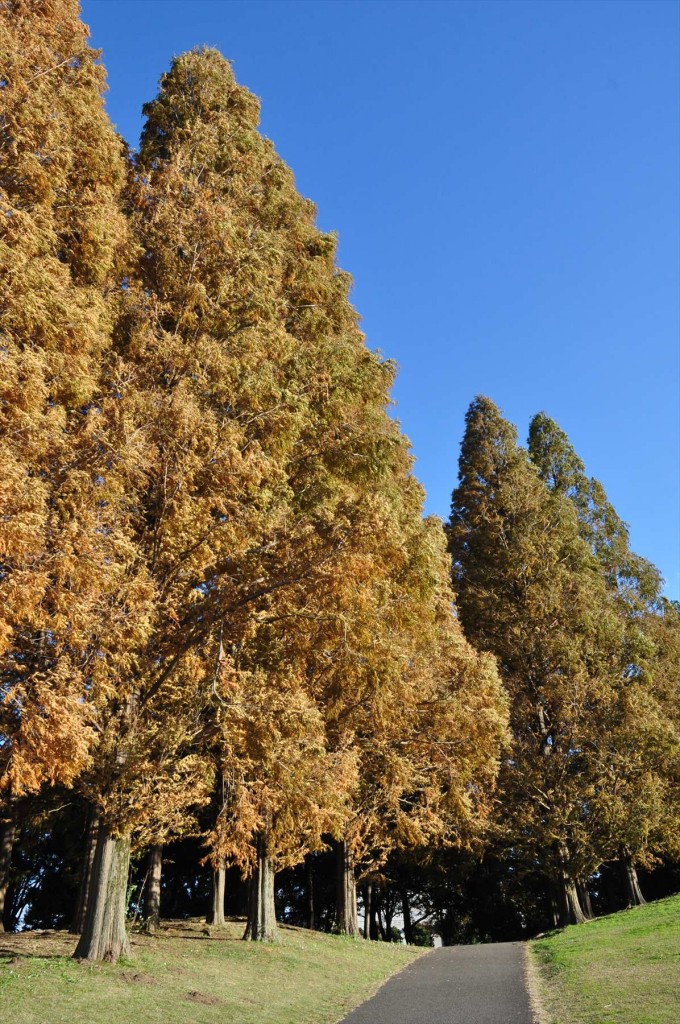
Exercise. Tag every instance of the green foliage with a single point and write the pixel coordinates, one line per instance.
(637, 805)
(635, 579)
(529, 590)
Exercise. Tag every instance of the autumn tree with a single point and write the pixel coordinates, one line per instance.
(636, 810)
(245, 316)
(70, 591)
(531, 591)
(399, 684)
(283, 791)
(239, 390)
(237, 466)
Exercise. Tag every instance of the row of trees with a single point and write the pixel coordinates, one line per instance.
(217, 586)
(226, 629)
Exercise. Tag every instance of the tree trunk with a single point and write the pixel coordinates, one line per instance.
(152, 901)
(261, 925)
(381, 929)
(406, 914)
(584, 899)
(104, 936)
(388, 912)
(215, 915)
(7, 835)
(311, 922)
(373, 930)
(631, 886)
(571, 911)
(346, 893)
(368, 906)
(86, 871)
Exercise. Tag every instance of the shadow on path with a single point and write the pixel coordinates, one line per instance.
(481, 984)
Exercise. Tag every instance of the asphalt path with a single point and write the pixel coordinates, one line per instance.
(481, 984)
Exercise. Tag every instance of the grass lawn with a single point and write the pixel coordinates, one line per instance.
(186, 976)
(620, 969)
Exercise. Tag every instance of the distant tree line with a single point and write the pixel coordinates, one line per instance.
(239, 671)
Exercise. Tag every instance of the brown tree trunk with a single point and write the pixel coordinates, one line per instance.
(406, 914)
(215, 915)
(261, 925)
(631, 886)
(86, 871)
(584, 899)
(104, 936)
(368, 906)
(7, 835)
(346, 893)
(311, 920)
(152, 901)
(571, 911)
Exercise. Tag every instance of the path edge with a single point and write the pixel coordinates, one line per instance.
(533, 987)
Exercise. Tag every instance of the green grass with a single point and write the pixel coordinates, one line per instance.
(620, 969)
(186, 976)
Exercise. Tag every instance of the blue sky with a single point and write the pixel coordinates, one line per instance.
(504, 181)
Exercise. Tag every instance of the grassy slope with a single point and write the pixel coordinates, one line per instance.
(620, 969)
(307, 978)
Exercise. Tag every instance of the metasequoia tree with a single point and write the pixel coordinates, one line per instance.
(283, 791)
(635, 811)
(245, 317)
(399, 685)
(531, 591)
(146, 783)
(385, 682)
(251, 411)
(71, 597)
(634, 579)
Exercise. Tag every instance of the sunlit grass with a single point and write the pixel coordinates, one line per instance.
(620, 969)
(186, 976)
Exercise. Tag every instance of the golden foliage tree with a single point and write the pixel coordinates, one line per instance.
(70, 592)
(241, 394)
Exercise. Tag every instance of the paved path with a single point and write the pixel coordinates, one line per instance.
(481, 984)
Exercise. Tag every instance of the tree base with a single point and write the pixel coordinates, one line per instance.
(104, 937)
(261, 925)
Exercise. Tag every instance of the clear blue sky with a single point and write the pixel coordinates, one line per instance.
(504, 178)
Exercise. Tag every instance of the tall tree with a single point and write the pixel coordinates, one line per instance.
(71, 597)
(241, 288)
(530, 590)
(397, 681)
(636, 812)
(257, 412)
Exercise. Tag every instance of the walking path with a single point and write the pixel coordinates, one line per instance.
(481, 984)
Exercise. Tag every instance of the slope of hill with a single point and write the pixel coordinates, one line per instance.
(620, 969)
(185, 974)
